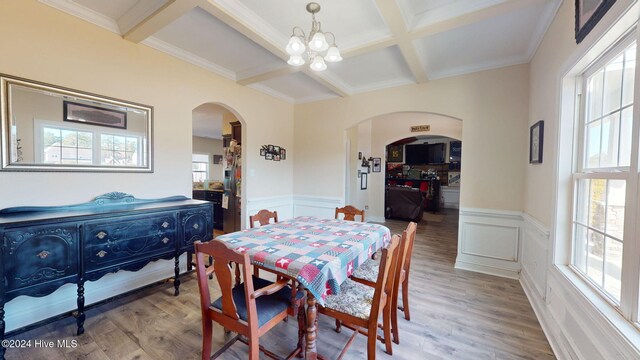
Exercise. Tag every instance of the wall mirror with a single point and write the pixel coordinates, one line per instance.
(51, 128)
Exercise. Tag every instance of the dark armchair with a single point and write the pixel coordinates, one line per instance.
(403, 203)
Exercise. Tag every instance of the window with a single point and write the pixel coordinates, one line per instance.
(604, 173)
(67, 146)
(200, 167)
(118, 150)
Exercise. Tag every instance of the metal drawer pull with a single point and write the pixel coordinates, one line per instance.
(165, 224)
(101, 253)
(165, 240)
(43, 254)
(196, 226)
(101, 235)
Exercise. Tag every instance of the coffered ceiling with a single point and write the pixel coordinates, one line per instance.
(384, 43)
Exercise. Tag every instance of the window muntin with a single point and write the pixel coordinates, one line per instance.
(66, 146)
(200, 167)
(600, 194)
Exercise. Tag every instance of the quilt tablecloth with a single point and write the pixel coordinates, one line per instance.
(320, 253)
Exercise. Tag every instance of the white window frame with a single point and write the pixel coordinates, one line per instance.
(194, 161)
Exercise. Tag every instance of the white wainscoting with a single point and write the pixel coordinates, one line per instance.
(489, 241)
(323, 207)
(535, 255)
(282, 204)
(450, 197)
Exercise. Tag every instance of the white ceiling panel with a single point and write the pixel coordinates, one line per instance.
(374, 70)
(352, 22)
(297, 87)
(419, 13)
(503, 40)
(113, 9)
(203, 35)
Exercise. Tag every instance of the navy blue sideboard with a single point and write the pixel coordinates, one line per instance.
(44, 248)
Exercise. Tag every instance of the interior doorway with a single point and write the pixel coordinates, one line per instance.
(217, 164)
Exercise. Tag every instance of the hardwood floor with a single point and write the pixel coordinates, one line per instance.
(455, 314)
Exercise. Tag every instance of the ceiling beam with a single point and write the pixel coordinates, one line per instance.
(393, 18)
(160, 18)
(270, 74)
(470, 18)
(276, 49)
(368, 47)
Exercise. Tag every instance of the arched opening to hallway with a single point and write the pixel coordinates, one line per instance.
(217, 170)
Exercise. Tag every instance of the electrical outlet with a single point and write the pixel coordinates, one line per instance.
(366, 207)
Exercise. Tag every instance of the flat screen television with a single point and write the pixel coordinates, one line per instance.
(423, 154)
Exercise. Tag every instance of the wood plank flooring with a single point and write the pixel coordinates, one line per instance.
(455, 314)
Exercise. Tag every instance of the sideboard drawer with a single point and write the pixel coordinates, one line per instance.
(39, 254)
(111, 242)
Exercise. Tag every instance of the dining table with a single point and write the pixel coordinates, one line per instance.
(318, 253)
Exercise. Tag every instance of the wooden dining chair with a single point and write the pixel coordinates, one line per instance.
(367, 274)
(350, 213)
(263, 217)
(358, 306)
(250, 308)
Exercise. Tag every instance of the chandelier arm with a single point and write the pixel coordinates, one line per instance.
(303, 35)
(333, 38)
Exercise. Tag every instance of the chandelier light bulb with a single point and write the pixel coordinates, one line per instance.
(318, 64)
(318, 42)
(333, 54)
(296, 60)
(295, 46)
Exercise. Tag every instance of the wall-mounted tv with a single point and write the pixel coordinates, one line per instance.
(423, 154)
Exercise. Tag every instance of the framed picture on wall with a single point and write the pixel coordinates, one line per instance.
(536, 137)
(377, 165)
(588, 14)
(395, 153)
(363, 181)
(94, 115)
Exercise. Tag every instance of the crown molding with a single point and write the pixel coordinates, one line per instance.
(72, 8)
(487, 65)
(181, 54)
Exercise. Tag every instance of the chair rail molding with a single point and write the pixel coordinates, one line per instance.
(305, 205)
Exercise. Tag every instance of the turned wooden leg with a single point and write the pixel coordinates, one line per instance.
(189, 259)
(310, 350)
(338, 326)
(176, 271)
(302, 317)
(81, 316)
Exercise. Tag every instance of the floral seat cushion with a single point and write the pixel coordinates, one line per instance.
(369, 269)
(354, 299)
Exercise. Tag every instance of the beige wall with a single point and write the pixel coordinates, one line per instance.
(53, 47)
(493, 106)
(210, 147)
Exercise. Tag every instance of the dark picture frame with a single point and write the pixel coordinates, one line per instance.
(588, 14)
(536, 141)
(395, 153)
(363, 181)
(94, 115)
(263, 152)
(283, 154)
(377, 165)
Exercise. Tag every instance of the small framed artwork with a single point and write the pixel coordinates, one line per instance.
(283, 154)
(270, 148)
(88, 114)
(536, 141)
(276, 150)
(395, 153)
(588, 14)
(276, 157)
(263, 152)
(359, 155)
(359, 173)
(268, 156)
(217, 159)
(363, 181)
(377, 165)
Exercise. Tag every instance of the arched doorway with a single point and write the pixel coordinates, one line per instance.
(217, 163)
(371, 137)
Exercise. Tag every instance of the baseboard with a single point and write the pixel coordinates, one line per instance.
(489, 270)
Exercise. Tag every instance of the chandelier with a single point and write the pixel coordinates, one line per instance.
(315, 47)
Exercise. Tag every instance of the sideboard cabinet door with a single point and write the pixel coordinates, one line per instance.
(197, 225)
(37, 259)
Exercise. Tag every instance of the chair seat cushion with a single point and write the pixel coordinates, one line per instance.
(354, 299)
(368, 270)
(267, 306)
